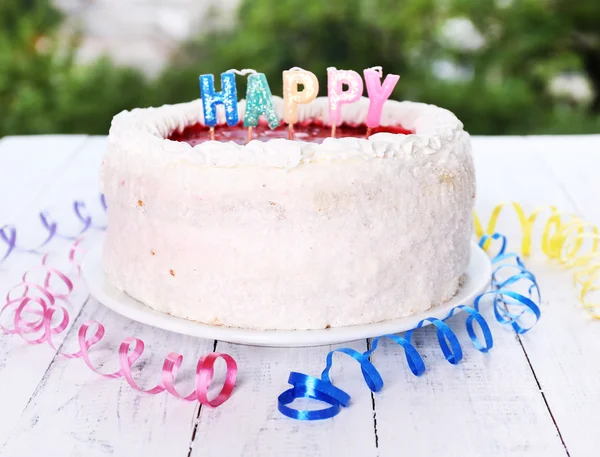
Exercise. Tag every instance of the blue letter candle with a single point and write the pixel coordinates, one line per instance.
(227, 97)
(259, 101)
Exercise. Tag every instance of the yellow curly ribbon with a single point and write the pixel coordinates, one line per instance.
(566, 238)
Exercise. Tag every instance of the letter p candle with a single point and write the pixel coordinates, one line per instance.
(292, 97)
(338, 96)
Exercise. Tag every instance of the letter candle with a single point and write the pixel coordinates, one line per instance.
(378, 94)
(211, 98)
(338, 96)
(292, 78)
(259, 101)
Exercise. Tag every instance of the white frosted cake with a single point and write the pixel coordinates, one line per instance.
(289, 234)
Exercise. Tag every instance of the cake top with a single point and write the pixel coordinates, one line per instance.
(310, 131)
(405, 128)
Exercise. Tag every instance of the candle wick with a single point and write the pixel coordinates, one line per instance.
(378, 69)
(243, 72)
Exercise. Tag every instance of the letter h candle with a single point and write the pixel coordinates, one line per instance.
(210, 99)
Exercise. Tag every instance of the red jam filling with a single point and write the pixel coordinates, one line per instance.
(313, 131)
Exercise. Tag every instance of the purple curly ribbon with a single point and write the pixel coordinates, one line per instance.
(8, 233)
(33, 298)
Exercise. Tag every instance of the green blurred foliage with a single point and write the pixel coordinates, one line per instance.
(505, 90)
(42, 90)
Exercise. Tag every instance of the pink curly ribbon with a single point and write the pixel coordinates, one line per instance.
(37, 316)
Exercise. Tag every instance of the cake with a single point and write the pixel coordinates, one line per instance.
(309, 233)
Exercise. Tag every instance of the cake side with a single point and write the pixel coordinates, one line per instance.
(285, 234)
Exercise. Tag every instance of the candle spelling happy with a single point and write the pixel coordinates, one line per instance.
(259, 100)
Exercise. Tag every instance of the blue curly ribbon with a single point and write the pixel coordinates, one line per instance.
(8, 233)
(504, 301)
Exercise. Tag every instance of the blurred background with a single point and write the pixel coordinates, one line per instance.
(503, 66)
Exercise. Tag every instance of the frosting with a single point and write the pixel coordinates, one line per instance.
(434, 129)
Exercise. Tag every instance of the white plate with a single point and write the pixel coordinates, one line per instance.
(476, 279)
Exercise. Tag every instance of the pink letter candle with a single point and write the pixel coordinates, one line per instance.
(338, 96)
(292, 97)
(378, 94)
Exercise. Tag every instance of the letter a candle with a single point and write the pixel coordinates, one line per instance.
(259, 101)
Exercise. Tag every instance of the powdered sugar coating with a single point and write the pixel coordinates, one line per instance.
(286, 234)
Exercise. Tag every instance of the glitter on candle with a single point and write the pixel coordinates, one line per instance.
(337, 96)
(227, 97)
(259, 101)
(378, 93)
(292, 97)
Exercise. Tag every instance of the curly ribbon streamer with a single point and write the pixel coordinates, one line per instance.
(566, 238)
(510, 307)
(8, 233)
(37, 317)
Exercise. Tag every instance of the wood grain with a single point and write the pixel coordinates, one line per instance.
(28, 166)
(489, 404)
(260, 429)
(31, 170)
(82, 414)
(566, 340)
(565, 353)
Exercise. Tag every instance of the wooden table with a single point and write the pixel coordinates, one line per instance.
(534, 395)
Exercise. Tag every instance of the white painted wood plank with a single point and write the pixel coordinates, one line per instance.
(76, 412)
(494, 380)
(507, 170)
(565, 351)
(73, 409)
(21, 365)
(488, 405)
(563, 347)
(251, 425)
(28, 165)
(575, 163)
